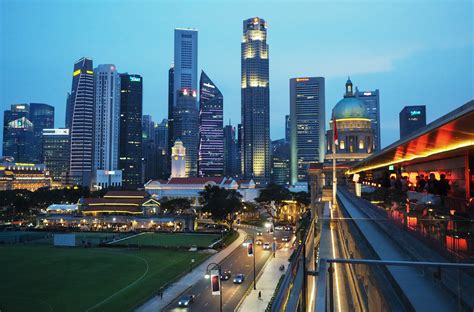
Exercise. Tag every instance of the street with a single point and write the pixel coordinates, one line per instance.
(238, 263)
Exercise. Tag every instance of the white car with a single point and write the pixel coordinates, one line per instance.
(266, 246)
(285, 239)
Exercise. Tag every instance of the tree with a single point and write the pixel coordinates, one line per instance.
(303, 198)
(221, 203)
(177, 205)
(274, 193)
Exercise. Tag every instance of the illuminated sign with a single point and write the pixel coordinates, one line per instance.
(135, 79)
(55, 131)
(215, 282)
(109, 172)
(209, 85)
(24, 165)
(89, 72)
(301, 79)
(391, 167)
(20, 106)
(415, 112)
(367, 93)
(76, 72)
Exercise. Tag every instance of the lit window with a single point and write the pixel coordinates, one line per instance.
(361, 144)
(342, 144)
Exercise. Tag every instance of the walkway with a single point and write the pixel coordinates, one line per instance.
(188, 280)
(266, 282)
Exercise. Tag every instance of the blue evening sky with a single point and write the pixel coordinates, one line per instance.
(415, 52)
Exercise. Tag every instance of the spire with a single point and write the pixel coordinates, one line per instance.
(349, 92)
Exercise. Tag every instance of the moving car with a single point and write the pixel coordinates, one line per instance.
(258, 242)
(288, 228)
(259, 233)
(266, 246)
(186, 300)
(239, 279)
(226, 275)
(285, 239)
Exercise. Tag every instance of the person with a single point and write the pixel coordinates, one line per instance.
(259, 295)
(432, 185)
(443, 185)
(420, 186)
(404, 182)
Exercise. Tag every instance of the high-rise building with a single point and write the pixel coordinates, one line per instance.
(18, 133)
(170, 113)
(107, 126)
(131, 106)
(149, 148)
(42, 117)
(56, 151)
(307, 115)
(161, 134)
(281, 162)
(412, 118)
(240, 134)
(255, 96)
(211, 132)
(287, 128)
(81, 120)
(162, 155)
(185, 112)
(178, 160)
(231, 158)
(372, 101)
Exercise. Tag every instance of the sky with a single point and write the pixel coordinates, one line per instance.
(414, 52)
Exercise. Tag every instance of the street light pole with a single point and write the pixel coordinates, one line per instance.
(220, 284)
(254, 256)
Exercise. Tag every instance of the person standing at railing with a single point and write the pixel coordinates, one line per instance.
(443, 185)
(420, 183)
(432, 184)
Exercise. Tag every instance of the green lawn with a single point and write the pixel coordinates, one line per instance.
(95, 238)
(45, 278)
(172, 239)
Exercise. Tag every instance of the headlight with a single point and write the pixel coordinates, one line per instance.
(185, 303)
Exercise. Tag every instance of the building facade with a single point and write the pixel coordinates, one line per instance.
(307, 115)
(178, 160)
(287, 128)
(42, 117)
(56, 149)
(185, 111)
(211, 132)
(372, 102)
(231, 159)
(107, 126)
(131, 107)
(18, 133)
(23, 176)
(411, 119)
(80, 107)
(281, 162)
(255, 97)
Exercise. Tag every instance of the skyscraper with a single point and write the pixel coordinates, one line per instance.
(307, 115)
(131, 106)
(287, 128)
(170, 114)
(56, 151)
(412, 118)
(42, 117)
(81, 119)
(185, 112)
(107, 126)
(231, 158)
(211, 132)
(18, 133)
(372, 101)
(255, 96)
(162, 155)
(281, 162)
(149, 148)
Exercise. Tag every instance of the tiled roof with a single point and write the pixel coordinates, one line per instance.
(195, 180)
(137, 201)
(135, 209)
(122, 194)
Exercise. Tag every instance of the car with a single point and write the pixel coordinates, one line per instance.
(239, 279)
(288, 228)
(285, 239)
(258, 242)
(279, 227)
(266, 245)
(186, 300)
(226, 275)
(259, 233)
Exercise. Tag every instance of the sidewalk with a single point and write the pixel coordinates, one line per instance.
(188, 280)
(267, 282)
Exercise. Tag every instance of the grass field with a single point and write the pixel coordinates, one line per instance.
(45, 278)
(94, 238)
(172, 239)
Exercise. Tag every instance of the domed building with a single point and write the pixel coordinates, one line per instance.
(355, 135)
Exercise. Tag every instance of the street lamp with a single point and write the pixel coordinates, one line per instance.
(251, 252)
(212, 266)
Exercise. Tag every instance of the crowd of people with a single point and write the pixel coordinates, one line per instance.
(423, 183)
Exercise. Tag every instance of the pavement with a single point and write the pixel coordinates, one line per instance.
(267, 281)
(188, 280)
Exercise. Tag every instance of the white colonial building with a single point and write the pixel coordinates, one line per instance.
(191, 187)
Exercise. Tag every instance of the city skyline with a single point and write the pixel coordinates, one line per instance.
(400, 63)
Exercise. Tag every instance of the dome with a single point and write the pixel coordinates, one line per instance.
(350, 107)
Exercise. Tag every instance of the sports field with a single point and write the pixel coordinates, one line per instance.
(171, 239)
(45, 278)
(31, 237)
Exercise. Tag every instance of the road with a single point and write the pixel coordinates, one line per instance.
(237, 262)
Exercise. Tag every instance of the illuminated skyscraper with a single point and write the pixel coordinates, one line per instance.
(107, 126)
(56, 151)
(18, 133)
(211, 132)
(255, 97)
(80, 118)
(131, 106)
(185, 112)
(42, 117)
(372, 101)
(307, 115)
(231, 152)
